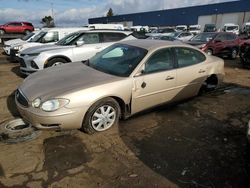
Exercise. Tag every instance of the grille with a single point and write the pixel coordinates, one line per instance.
(21, 99)
(22, 63)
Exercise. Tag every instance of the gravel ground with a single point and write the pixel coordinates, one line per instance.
(200, 142)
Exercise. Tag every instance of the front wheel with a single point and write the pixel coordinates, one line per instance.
(233, 54)
(55, 62)
(101, 116)
(209, 52)
(2, 32)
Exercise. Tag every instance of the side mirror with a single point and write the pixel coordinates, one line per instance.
(141, 71)
(80, 43)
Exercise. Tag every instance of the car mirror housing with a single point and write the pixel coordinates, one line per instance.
(80, 43)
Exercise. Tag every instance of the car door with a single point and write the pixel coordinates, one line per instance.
(157, 82)
(191, 72)
(88, 49)
(10, 28)
(219, 45)
(231, 42)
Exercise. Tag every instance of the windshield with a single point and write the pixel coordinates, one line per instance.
(69, 39)
(118, 59)
(231, 28)
(193, 28)
(38, 36)
(26, 37)
(176, 34)
(180, 28)
(203, 37)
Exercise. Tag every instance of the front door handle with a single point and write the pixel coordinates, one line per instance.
(201, 71)
(169, 78)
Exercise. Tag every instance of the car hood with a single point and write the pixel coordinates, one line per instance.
(43, 48)
(195, 43)
(57, 81)
(13, 42)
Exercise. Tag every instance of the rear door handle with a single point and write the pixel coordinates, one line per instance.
(169, 78)
(201, 71)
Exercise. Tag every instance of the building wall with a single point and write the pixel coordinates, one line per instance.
(173, 17)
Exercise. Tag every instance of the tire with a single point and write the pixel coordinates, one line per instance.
(92, 123)
(234, 53)
(210, 84)
(55, 62)
(2, 32)
(209, 52)
(16, 130)
(26, 32)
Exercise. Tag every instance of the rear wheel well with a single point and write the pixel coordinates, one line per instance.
(209, 84)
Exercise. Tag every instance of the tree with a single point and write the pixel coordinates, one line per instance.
(48, 21)
(110, 12)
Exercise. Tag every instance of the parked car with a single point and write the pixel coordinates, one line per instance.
(121, 80)
(181, 28)
(168, 38)
(230, 27)
(161, 32)
(8, 44)
(182, 35)
(195, 29)
(45, 36)
(77, 47)
(16, 27)
(217, 43)
(210, 28)
(245, 53)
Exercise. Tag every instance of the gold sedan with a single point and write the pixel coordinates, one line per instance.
(121, 80)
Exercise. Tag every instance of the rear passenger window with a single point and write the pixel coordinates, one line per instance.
(231, 36)
(161, 60)
(90, 38)
(113, 37)
(187, 57)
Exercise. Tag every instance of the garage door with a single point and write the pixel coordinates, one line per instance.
(202, 20)
(230, 18)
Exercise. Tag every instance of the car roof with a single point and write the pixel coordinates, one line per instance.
(152, 44)
(105, 31)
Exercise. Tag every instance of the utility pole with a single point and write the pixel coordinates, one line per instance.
(52, 12)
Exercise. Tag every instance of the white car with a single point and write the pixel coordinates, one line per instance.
(10, 43)
(182, 36)
(231, 27)
(195, 29)
(77, 47)
(45, 36)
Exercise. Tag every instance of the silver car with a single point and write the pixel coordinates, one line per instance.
(77, 46)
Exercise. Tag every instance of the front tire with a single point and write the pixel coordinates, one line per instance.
(2, 32)
(101, 116)
(26, 32)
(209, 52)
(234, 53)
(55, 62)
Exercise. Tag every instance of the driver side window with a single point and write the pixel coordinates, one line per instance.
(161, 60)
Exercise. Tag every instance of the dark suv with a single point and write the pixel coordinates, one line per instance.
(220, 44)
(245, 53)
(16, 27)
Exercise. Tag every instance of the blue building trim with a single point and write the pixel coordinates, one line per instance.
(187, 15)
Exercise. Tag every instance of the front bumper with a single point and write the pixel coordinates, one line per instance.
(6, 49)
(25, 65)
(13, 55)
(63, 118)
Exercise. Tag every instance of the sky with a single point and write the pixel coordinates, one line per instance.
(77, 12)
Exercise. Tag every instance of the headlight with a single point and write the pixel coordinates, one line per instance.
(36, 103)
(54, 104)
(18, 47)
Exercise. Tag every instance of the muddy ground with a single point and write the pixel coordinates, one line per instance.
(197, 143)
